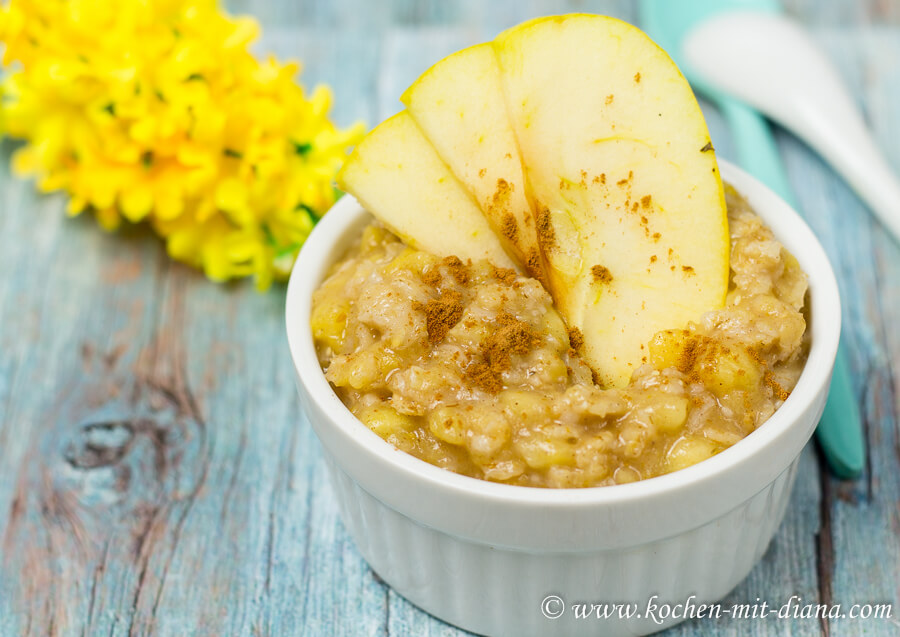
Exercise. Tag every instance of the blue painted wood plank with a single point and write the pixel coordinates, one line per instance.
(866, 514)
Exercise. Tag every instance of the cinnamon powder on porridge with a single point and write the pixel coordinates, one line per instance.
(457, 269)
(512, 337)
(506, 276)
(441, 314)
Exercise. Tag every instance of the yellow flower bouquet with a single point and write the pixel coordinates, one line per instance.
(155, 110)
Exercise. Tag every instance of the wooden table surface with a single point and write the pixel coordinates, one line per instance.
(157, 476)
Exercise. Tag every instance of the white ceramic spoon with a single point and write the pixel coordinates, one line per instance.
(771, 63)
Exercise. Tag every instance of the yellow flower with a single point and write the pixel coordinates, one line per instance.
(155, 111)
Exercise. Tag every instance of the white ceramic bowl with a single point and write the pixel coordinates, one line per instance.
(485, 556)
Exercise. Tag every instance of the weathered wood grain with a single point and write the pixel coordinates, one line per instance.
(156, 476)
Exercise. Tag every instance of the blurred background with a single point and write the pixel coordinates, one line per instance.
(384, 45)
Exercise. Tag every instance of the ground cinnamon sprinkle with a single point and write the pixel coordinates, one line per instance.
(441, 314)
(780, 392)
(576, 338)
(480, 375)
(500, 198)
(458, 269)
(546, 233)
(756, 356)
(601, 274)
(689, 355)
(509, 228)
(512, 337)
(506, 276)
(748, 418)
(432, 277)
(694, 348)
(699, 348)
(534, 266)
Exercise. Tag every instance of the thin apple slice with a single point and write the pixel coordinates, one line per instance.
(459, 105)
(630, 206)
(397, 176)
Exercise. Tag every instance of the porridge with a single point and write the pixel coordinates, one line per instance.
(470, 367)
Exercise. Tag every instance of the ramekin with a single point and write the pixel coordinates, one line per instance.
(488, 557)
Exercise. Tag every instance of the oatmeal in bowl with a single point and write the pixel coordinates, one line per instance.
(407, 515)
(470, 367)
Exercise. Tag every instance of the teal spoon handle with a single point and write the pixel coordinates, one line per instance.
(840, 430)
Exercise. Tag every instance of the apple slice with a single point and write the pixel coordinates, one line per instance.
(459, 105)
(397, 176)
(629, 203)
